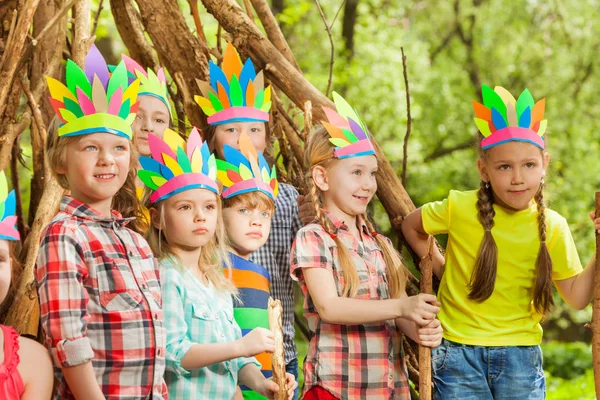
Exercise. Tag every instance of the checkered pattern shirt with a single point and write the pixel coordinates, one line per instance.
(195, 313)
(100, 300)
(351, 361)
(275, 257)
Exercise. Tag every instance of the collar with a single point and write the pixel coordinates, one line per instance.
(81, 210)
(338, 224)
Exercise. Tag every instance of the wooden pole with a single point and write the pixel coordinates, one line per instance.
(596, 308)
(426, 265)
(278, 361)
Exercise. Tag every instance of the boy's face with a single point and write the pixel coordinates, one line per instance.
(248, 229)
(230, 134)
(5, 269)
(96, 168)
(152, 117)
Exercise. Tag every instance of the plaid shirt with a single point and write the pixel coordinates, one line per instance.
(275, 257)
(351, 361)
(195, 313)
(100, 300)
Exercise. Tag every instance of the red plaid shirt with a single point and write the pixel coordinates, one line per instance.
(350, 361)
(100, 300)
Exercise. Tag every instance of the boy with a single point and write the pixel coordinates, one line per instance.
(97, 280)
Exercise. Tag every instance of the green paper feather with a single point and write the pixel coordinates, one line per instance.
(265, 175)
(222, 165)
(146, 177)
(245, 173)
(212, 167)
(67, 115)
(117, 79)
(183, 160)
(273, 173)
(259, 98)
(125, 110)
(76, 79)
(339, 142)
(345, 110)
(349, 135)
(484, 127)
(525, 100)
(492, 99)
(216, 103)
(158, 180)
(73, 107)
(235, 92)
(266, 107)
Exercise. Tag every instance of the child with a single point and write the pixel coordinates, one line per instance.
(505, 249)
(352, 278)
(25, 366)
(205, 351)
(97, 280)
(236, 101)
(249, 193)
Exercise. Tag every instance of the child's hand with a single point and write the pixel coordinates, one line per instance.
(269, 387)
(430, 335)
(257, 341)
(421, 308)
(306, 210)
(596, 221)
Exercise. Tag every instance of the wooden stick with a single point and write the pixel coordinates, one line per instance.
(596, 308)
(278, 361)
(426, 266)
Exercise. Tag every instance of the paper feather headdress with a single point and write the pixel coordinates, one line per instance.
(8, 219)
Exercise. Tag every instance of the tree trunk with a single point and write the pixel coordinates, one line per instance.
(350, 14)
(596, 308)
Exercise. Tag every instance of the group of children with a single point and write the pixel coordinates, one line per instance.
(154, 276)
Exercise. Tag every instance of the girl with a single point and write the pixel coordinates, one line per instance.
(25, 366)
(505, 249)
(205, 351)
(351, 277)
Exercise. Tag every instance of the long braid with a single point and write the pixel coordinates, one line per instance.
(542, 291)
(483, 277)
(394, 267)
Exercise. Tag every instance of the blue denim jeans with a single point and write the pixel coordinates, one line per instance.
(480, 373)
(292, 368)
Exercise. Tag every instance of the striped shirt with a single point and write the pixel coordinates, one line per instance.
(100, 300)
(196, 313)
(275, 257)
(351, 361)
(252, 281)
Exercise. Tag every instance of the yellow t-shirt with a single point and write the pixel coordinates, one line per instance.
(507, 317)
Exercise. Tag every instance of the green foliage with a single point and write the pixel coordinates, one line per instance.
(580, 387)
(567, 360)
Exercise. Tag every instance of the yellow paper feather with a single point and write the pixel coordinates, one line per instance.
(245, 173)
(173, 139)
(196, 160)
(59, 91)
(506, 97)
(222, 176)
(172, 165)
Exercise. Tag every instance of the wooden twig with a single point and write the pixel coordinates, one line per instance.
(9, 39)
(332, 52)
(426, 267)
(198, 22)
(278, 360)
(307, 119)
(14, 175)
(596, 307)
(408, 119)
(35, 110)
(97, 16)
(248, 8)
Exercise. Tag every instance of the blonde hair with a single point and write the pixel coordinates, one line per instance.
(319, 152)
(124, 201)
(253, 200)
(213, 257)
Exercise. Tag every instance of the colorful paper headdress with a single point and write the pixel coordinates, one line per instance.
(8, 219)
(177, 166)
(502, 119)
(151, 84)
(236, 93)
(348, 133)
(94, 100)
(246, 171)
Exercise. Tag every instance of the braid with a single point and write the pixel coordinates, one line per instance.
(542, 291)
(394, 267)
(483, 277)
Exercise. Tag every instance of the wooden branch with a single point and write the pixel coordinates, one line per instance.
(198, 23)
(596, 307)
(16, 185)
(288, 128)
(131, 30)
(278, 360)
(332, 52)
(14, 49)
(425, 352)
(263, 11)
(348, 25)
(97, 16)
(248, 7)
(81, 32)
(408, 119)
(10, 128)
(308, 123)
(444, 151)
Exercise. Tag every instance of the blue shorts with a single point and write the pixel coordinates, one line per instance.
(480, 372)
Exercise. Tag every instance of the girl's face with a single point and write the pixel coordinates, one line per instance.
(189, 218)
(347, 186)
(96, 168)
(5, 269)
(152, 117)
(515, 171)
(230, 134)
